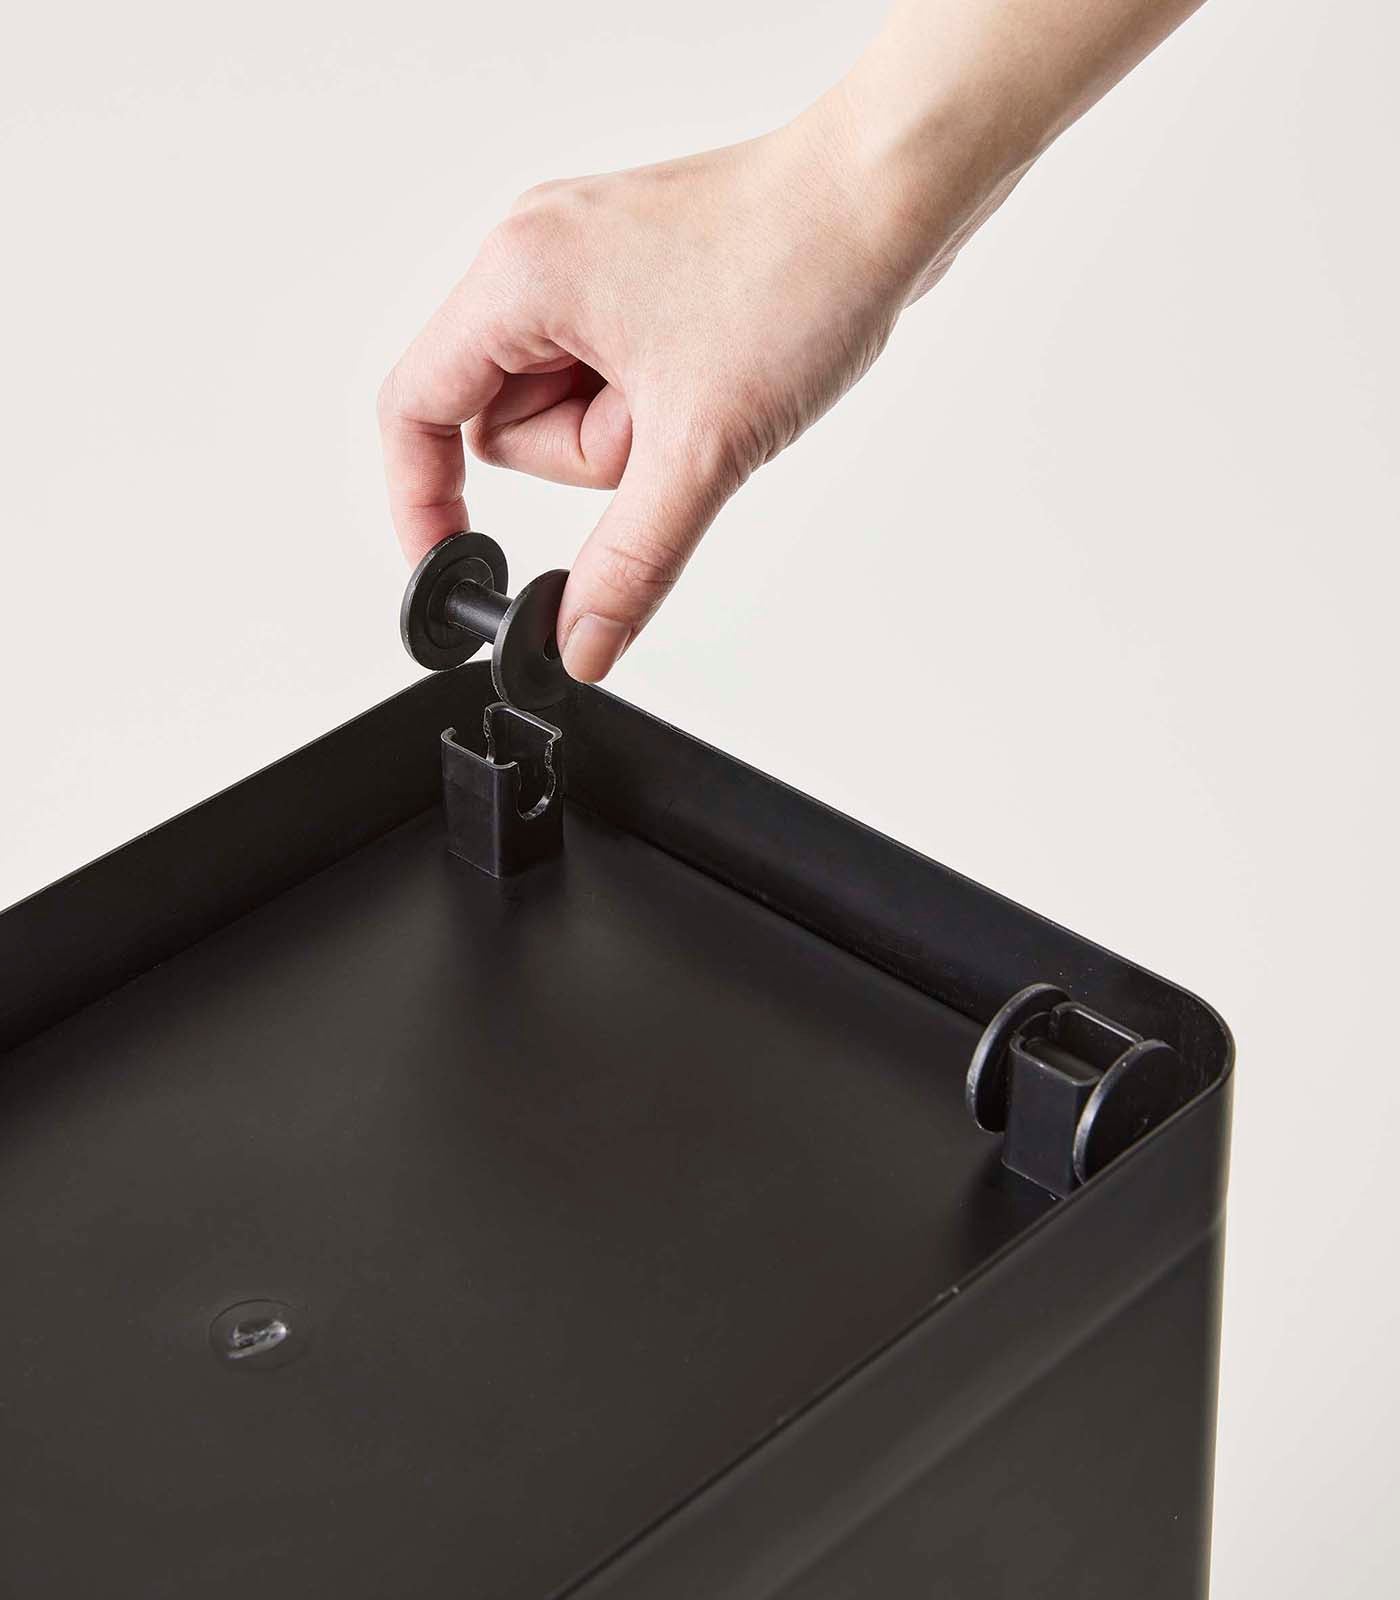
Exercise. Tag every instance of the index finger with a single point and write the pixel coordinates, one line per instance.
(450, 372)
(444, 378)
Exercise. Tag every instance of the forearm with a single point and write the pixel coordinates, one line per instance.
(955, 99)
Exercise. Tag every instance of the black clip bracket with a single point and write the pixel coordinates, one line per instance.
(504, 801)
(1070, 1089)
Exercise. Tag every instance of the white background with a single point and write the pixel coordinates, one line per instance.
(1117, 511)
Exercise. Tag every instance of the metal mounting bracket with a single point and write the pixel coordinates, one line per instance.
(504, 798)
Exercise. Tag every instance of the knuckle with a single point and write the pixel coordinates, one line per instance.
(535, 193)
(717, 442)
(485, 443)
(753, 429)
(386, 402)
(525, 232)
(645, 568)
(720, 456)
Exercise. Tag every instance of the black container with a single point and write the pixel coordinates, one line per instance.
(372, 1226)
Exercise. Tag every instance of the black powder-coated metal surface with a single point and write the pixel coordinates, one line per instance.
(631, 1231)
(576, 1186)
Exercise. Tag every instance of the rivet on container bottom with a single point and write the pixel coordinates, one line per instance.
(257, 1333)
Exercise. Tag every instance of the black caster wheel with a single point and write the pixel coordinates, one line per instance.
(456, 602)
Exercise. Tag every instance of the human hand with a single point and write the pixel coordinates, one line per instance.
(663, 332)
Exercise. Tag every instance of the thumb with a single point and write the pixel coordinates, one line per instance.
(630, 562)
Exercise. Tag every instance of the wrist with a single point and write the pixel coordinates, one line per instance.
(955, 99)
(921, 165)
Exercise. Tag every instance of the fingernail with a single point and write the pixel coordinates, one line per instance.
(593, 646)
